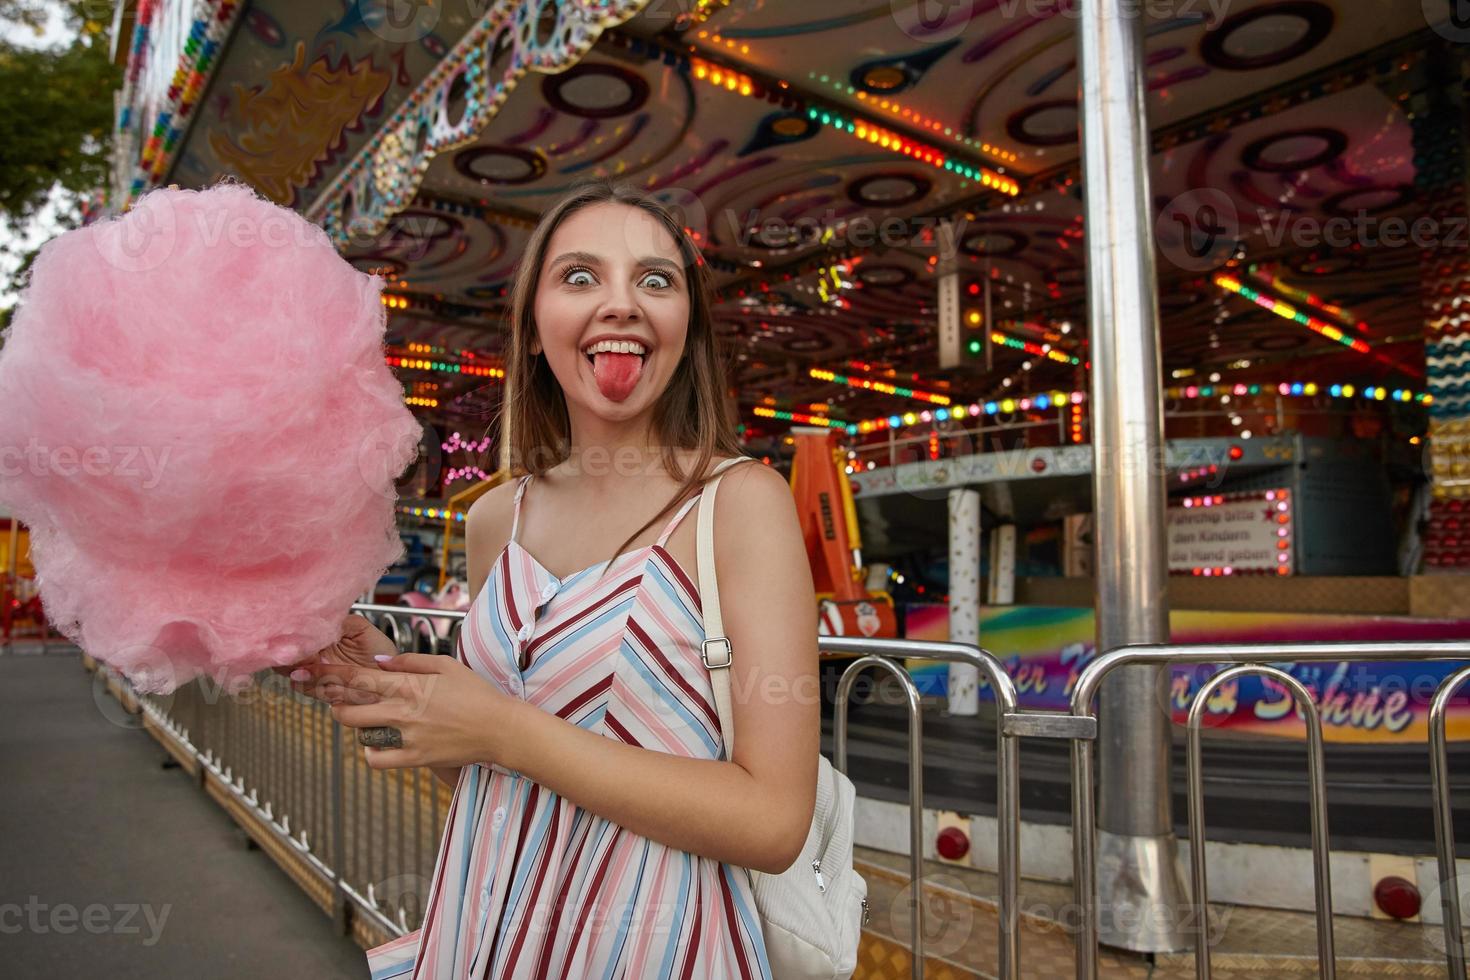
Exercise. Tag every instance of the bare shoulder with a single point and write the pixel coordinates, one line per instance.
(756, 513)
(753, 488)
(494, 508)
(487, 529)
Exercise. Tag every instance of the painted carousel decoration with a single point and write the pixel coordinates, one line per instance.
(833, 163)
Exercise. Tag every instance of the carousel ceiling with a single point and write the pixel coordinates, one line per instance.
(824, 153)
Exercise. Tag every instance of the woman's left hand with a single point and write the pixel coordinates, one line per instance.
(449, 715)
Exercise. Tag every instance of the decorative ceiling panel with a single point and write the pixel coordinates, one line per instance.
(825, 242)
(304, 85)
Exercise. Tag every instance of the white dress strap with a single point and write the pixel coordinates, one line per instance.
(663, 539)
(688, 504)
(717, 651)
(515, 521)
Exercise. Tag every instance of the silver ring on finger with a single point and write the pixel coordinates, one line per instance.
(381, 737)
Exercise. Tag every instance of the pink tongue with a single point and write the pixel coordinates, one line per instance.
(616, 374)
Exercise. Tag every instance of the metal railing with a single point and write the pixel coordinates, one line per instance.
(959, 439)
(877, 653)
(369, 836)
(1444, 830)
(1318, 790)
(365, 833)
(1254, 658)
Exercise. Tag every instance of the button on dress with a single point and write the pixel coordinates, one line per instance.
(529, 885)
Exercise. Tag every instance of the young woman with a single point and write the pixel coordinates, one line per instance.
(596, 829)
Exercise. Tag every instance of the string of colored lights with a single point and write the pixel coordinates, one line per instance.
(705, 9)
(821, 374)
(1301, 389)
(730, 43)
(776, 413)
(726, 78)
(421, 402)
(457, 442)
(445, 367)
(433, 513)
(1040, 350)
(462, 353)
(1002, 406)
(888, 372)
(1288, 312)
(197, 62)
(1303, 296)
(1045, 331)
(1075, 399)
(451, 475)
(891, 105)
(733, 80)
(794, 405)
(922, 152)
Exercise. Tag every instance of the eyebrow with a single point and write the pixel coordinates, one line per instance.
(647, 261)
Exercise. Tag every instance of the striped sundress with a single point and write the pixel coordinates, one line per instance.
(529, 885)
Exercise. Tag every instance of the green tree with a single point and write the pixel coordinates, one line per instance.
(56, 117)
(24, 13)
(56, 112)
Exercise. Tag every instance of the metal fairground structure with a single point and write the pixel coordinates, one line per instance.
(1102, 303)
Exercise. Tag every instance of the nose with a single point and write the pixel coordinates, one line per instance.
(620, 304)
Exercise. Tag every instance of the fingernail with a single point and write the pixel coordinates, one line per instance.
(301, 674)
(383, 658)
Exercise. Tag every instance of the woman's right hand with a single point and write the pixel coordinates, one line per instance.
(360, 642)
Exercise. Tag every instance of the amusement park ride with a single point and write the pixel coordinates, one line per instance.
(829, 523)
(1149, 349)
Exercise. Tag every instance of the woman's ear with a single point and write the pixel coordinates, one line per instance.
(535, 346)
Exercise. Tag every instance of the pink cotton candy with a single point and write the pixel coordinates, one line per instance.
(199, 428)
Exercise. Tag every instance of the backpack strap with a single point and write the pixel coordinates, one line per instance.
(718, 653)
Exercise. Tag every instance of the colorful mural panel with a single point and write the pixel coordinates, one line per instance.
(1046, 648)
(305, 87)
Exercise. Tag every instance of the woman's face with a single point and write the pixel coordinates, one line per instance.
(612, 271)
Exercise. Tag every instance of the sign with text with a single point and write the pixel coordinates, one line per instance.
(1232, 534)
(1046, 648)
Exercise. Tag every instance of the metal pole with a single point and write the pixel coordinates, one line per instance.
(1140, 887)
(339, 832)
(1444, 827)
(963, 689)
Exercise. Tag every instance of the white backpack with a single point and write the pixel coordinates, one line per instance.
(812, 913)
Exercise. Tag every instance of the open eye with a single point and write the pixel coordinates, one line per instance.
(578, 276)
(658, 280)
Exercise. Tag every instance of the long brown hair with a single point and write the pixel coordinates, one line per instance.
(690, 414)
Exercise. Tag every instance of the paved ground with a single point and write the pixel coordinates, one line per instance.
(111, 865)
